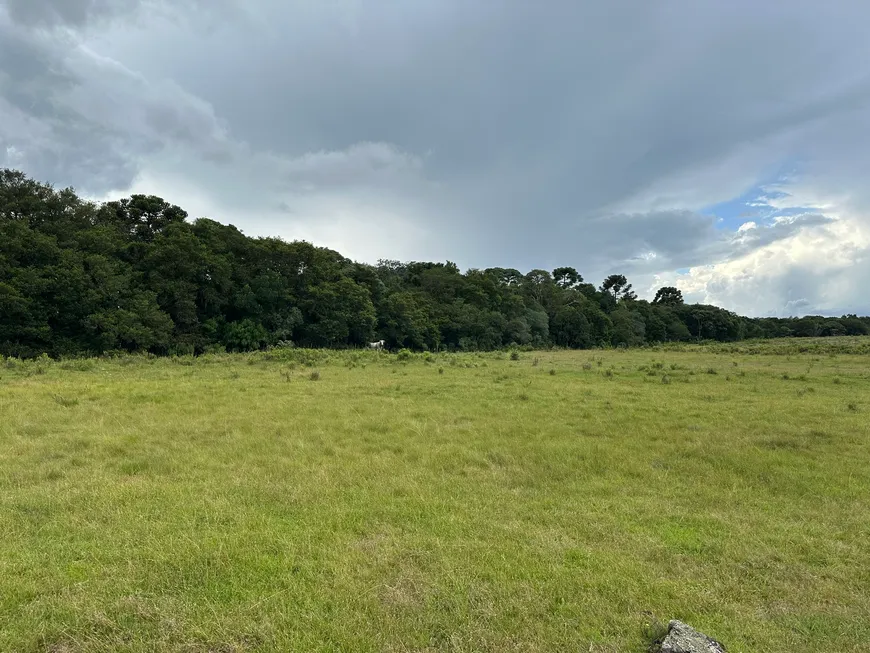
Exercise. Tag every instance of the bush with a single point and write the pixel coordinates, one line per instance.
(314, 376)
(515, 355)
(403, 355)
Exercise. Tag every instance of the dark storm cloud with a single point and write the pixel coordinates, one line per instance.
(67, 12)
(589, 133)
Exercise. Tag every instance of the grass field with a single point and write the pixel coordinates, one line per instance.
(353, 501)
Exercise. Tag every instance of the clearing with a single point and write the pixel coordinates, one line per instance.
(358, 501)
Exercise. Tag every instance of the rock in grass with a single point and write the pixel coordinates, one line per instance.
(682, 638)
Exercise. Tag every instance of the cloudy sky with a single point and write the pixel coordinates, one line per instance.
(723, 147)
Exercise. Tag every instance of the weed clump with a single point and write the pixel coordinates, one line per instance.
(64, 401)
(515, 355)
(552, 372)
(314, 375)
(403, 355)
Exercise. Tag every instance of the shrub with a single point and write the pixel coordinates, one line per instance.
(440, 370)
(552, 372)
(666, 379)
(587, 366)
(403, 355)
(712, 370)
(82, 365)
(314, 376)
(515, 355)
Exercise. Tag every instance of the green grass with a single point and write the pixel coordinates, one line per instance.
(439, 503)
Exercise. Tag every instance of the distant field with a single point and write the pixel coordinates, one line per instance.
(558, 502)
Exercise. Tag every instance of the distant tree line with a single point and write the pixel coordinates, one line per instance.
(134, 275)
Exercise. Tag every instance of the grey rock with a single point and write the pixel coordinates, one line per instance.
(682, 638)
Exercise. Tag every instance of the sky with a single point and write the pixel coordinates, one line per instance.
(721, 147)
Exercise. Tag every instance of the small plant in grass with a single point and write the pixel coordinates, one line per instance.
(653, 633)
(666, 379)
(403, 355)
(65, 402)
(536, 362)
(734, 363)
(852, 407)
(587, 366)
(652, 373)
(837, 380)
(440, 370)
(523, 396)
(712, 370)
(785, 376)
(608, 373)
(515, 355)
(314, 375)
(552, 372)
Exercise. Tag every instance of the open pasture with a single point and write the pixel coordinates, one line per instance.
(301, 500)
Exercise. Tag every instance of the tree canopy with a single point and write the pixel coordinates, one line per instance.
(78, 278)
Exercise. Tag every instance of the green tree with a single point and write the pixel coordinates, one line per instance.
(669, 295)
(566, 277)
(617, 286)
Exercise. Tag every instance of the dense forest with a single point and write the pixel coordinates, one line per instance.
(78, 278)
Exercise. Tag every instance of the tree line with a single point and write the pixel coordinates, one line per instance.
(135, 275)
